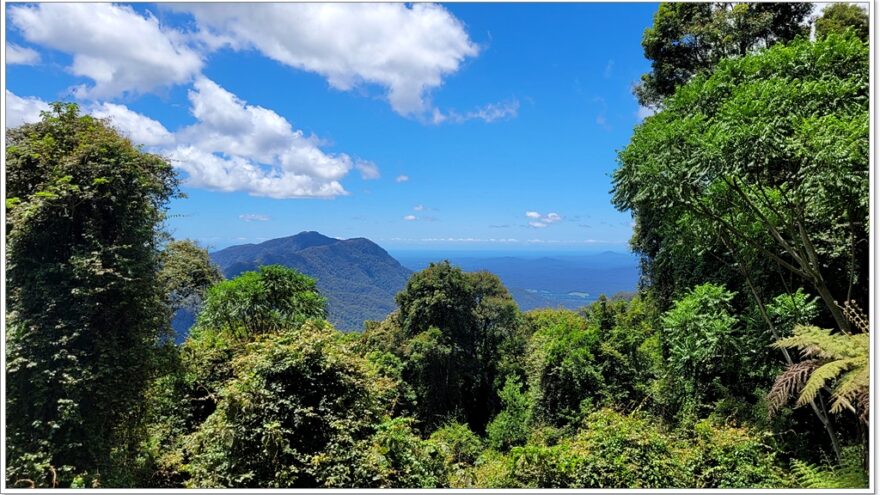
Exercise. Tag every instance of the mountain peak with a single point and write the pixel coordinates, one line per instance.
(357, 276)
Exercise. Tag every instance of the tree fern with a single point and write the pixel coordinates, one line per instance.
(835, 360)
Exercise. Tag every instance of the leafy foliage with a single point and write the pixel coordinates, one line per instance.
(562, 367)
(455, 327)
(689, 38)
(850, 473)
(291, 416)
(85, 309)
(510, 426)
(839, 17)
(836, 359)
(760, 166)
(186, 274)
(267, 300)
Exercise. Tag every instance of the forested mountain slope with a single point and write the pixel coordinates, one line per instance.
(357, 276)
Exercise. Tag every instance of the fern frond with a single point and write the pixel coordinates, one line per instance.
(809, 476)
(822, 375)
(821, 343)
(791, 380)
(864, 401)
(848, 387)
(856, 316)
(849, 474)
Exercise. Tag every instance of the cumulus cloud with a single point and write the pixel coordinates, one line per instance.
(235, 146)
(401, 178)
(21, 55)
(117, 48)
(253, 217)
(232, 146)
(540, 221)
(407, 50)
(23, 110)
(410, 218)
(419, 207)
(139, 128)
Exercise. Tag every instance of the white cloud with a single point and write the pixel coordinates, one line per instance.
(419, 207)
(23, 110)
(410, 218)
(253, 217)
(234, 146)
(117, 48)
(368, 170)
(21, 55)
(139, 128)
(487, 113)
(540, 221)
(407, 50)
(401, 178)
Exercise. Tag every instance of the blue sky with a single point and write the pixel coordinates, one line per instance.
(461, 126)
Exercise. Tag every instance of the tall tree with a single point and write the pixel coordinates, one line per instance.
(84, 309)
(766, 158)
(838, 17)
(457, 324)
(688, 38)
(187, 273)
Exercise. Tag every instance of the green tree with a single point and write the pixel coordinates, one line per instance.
(510, 426)
(187, 273)
(689, 38)
(769, 154)
(294, 414)
(838, 17)
(457, 328)
(762, 166)
(269, 299)
(564, 375)
(701, 345)
(84, 214)
(238, 312)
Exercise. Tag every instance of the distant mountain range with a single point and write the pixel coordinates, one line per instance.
(358, 278)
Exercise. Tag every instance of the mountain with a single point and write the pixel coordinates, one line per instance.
(358, 278)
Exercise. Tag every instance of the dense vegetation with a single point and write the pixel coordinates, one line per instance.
(742, 361)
